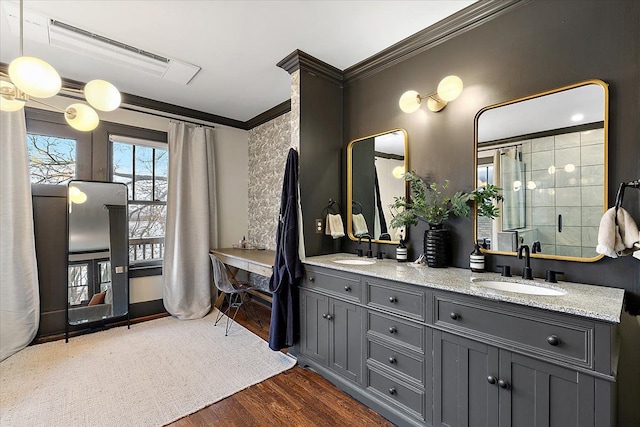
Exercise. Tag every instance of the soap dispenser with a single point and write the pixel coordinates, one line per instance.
(401, 251)
(476, 259)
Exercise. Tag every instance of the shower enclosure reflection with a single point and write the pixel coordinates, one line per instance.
(98, 282)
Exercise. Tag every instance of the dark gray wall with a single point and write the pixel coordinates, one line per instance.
(539, 46)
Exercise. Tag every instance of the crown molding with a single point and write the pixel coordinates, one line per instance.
(456, 24)
(268, 115)
(299, 60)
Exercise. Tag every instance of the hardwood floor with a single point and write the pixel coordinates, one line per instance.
(297, 397)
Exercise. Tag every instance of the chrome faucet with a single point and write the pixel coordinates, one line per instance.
(370, 251)
(526, 272)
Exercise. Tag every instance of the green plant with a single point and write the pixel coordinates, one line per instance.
(427, 202)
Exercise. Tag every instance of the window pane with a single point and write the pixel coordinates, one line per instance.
(104, 268)
(123, 165)
(161, 180)
(52, 160)
(78, 282)
(143, 189)
(146, 231)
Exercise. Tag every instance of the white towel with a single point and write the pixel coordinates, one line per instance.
(334, 227)
(620, 240)
(359, 225)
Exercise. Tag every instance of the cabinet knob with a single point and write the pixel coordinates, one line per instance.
(347, 288)
(392, 360)
(393, 299)
(553, 340)
(503, 384)
(491, 379)
(392, 390)
(393, 330)
(324, 315)
(312, 279)
(329, 317)
(454, 315)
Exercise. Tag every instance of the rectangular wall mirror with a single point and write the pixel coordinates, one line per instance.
(548, 153)
(98, 252)
(375, 175)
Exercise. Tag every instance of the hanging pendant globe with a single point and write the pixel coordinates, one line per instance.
(9, 102)
(102, 95)
(81, 117)
(35, 77)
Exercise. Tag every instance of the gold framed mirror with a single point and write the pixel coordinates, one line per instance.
(375, 175)
(548, 153)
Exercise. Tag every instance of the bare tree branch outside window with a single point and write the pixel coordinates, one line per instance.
(52, 160)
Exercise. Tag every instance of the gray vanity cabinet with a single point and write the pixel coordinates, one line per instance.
(476, 384)
(332, 329)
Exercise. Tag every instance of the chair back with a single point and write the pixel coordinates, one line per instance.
(220, 275)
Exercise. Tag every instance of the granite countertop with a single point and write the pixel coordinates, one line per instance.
(596, 302)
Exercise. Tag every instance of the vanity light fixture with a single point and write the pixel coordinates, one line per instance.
(448, 89)
(31, 78)
(398, 172)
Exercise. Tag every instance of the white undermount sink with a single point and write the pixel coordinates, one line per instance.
(519, 288)
(354, 261)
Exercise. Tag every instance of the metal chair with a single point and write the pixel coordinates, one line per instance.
(234, 291)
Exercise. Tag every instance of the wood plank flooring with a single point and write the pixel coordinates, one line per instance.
(297, 397)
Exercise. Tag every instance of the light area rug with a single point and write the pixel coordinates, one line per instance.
(153, 374)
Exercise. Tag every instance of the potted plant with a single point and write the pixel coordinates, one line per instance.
(430, 203)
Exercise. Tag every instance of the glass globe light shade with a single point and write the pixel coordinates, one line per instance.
(398, 172)
(8, 101)
(102, 95)
(77, 196)
(81, 117)
(409, 101)
(450, 88)
(35, 77)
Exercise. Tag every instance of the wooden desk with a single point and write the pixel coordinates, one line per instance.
(252, 260)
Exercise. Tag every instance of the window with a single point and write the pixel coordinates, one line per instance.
(52, 160)
(143, 166)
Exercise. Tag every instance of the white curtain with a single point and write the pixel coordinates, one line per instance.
(191, 221)
(19, 295)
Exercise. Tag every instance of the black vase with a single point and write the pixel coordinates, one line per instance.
(436, 246)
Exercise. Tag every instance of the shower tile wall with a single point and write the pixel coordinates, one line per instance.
(567, 171)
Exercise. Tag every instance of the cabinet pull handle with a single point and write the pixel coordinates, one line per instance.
(393, 299)
(491, 379)
(312, 279)
(393, 330)
(347, 288)
(503, 384)
(392, 390)
(392, 360)
(454, 315)
(553, 340)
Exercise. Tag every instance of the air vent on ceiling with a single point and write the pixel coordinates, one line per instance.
(62, 35)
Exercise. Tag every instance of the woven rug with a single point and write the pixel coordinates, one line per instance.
(153, 374)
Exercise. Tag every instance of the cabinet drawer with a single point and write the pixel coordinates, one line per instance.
(400, 363)
(395, 330)
(536, 335)
(345, 285)
(397, 298)
(409, 398)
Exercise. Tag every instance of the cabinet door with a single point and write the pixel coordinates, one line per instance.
(463, 395)
(314, 328)
(540, 394)
(346, 339)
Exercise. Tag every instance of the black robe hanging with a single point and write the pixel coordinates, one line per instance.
(287, 267)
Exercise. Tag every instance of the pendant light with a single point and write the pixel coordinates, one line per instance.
(32, 78)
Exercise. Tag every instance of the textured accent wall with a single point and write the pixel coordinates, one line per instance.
(268, 146)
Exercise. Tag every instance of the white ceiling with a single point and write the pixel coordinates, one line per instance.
(237, 43)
